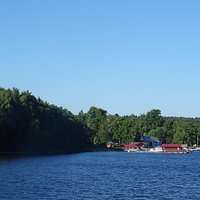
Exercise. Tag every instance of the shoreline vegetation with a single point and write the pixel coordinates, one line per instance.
(31, 126)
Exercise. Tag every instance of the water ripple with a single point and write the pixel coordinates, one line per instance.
(102, 175)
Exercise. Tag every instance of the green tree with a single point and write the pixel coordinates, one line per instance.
(153, 119)
(96, 121)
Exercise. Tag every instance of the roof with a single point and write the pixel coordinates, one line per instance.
(130, 145)
(149, 138)
(171, 145)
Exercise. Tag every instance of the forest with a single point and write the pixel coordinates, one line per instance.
(33, 126)
(124, 129)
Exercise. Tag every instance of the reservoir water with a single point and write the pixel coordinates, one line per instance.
(101, 175)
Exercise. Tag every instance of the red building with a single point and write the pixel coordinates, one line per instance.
(174, 148)
(134, 145)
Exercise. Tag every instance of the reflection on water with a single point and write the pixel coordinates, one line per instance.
(101, 175)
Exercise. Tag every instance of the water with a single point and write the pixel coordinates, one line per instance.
(101, 175)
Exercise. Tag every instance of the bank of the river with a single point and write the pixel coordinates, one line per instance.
(88, 148)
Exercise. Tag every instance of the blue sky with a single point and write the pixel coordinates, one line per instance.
(126, 57)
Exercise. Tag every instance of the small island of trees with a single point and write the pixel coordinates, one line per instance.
(33, 126)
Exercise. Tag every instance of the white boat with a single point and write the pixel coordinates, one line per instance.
(133, 150)
(157, 149)
(195, 149)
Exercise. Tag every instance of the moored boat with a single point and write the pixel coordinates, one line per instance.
(163, 148)
(157, 149)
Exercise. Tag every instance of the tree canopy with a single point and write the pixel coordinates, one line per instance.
(125, 129)
(31, 125)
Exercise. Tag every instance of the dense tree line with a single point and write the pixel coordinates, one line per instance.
(31, 125)
(123, 129)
